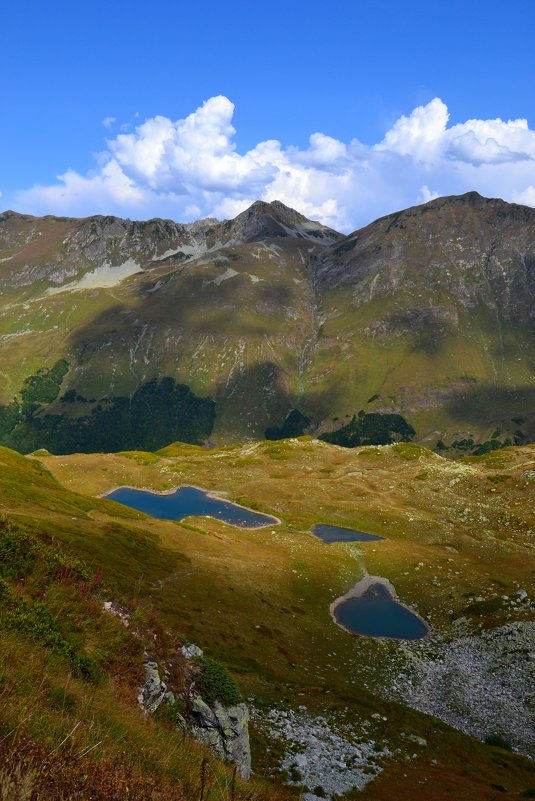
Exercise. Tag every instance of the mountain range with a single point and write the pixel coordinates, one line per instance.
(118, 334)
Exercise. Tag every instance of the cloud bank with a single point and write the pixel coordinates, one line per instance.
(191, 168)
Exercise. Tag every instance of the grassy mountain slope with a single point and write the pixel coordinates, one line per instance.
(427, 313)
(431, 312)
(259, 599)
(70, 722)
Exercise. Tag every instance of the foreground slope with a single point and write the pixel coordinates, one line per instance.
(70, 673)
(427, 312)
(459, 546)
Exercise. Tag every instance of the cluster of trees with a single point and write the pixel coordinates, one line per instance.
(374, 428)
(363, 429)
(294, 426)
(159, 412)
(481, 448)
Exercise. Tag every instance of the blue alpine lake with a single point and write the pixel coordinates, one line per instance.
(373, 613)
(376, 613)
(336, 534)
(189, 501)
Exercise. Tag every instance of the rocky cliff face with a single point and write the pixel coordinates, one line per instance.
(461, 252)
(224, 729)
(56, 250)
(428, 313)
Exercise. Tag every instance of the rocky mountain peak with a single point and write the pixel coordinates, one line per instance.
(263, 220)
(463, 209)
(439, 259)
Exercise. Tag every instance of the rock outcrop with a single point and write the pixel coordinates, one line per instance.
(155, 691)
(224, 729)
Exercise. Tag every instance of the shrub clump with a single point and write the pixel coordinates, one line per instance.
(21, 553)
(23, 556)
(35, 621)
(215, 683)
(498, 741)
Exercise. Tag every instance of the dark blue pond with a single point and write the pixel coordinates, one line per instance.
(377, 614)
(337, 534)
(189, 501)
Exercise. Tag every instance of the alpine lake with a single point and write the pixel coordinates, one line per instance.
(370, 609)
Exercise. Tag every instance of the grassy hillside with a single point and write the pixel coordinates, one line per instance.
(70, 723)
(259, 600)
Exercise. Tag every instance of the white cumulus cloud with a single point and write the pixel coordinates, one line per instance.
(421, 135)
(191, 167)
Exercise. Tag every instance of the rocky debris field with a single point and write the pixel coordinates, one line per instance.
(483, 685)
(323, 754)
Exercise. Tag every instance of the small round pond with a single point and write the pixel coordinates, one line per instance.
(372, 610)
(189, 501)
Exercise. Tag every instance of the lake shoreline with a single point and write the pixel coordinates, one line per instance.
(331, 534)
(360, 589)
(213, 494)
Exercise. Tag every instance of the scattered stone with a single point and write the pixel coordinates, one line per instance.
(115, 610)
(481, 685)
(155, 691)
(414, 738)
(192, 651)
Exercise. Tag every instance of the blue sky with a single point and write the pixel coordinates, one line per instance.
(348, 70)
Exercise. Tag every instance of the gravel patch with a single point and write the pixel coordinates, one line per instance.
(323, 752)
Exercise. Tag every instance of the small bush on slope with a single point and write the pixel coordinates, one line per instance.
(215, 683)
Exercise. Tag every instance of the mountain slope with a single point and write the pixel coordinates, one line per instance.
(71, 725)
(432, 310)
(427, 313)
(457, 541)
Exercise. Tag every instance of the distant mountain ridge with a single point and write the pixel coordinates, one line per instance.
(78, 243)
(427, 313)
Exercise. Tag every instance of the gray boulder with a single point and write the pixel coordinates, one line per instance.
(225, 729)
(191, 651)
(154, 691)
(414, 738)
